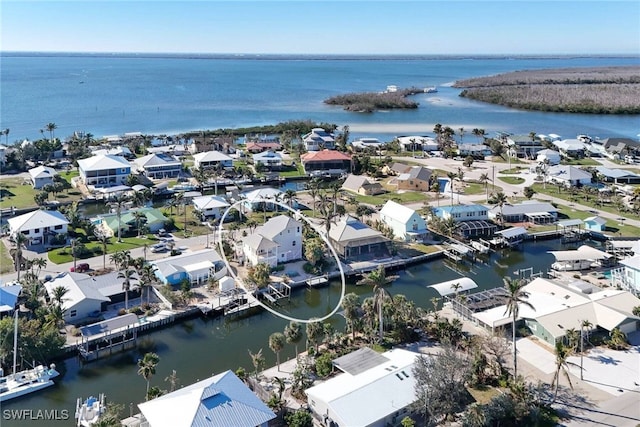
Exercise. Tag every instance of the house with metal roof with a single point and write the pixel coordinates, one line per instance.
(477, 151)
(417, 143)
(550, 157)
(570, 176)
(531, 211)
(41, 176)
(104, 170)
(153, 221)
(38, 226)
(417, 179)
(406, 224)
(373, 390)
(279, 240)
(158, 166)
(318, 139)
(595, 223)
(210, 206)
(356, 241)
(627, 275)
(326, 163)
(269, 159)
(360, 184)
(258, 249)
(618, 176)
(81, 299)
(9, 296)
(459, 213)
(221, 400)
(524, 145)
(573, 148)
(261, 199)
(212, 160)
(196, 267)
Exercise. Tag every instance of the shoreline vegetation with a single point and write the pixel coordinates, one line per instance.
(596, 90)
(368, 102)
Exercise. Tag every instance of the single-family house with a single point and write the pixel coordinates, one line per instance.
(627, 275)
(477, 151)
(212, 160)
(104, 170)
(258, 249)
(595, 223)
(259, 147)
(406, 223)
(318, 139)
(618, 176)
(418, 178)
(550, 157)
(360, 184)
(417, 143)
(210, 206)
(373, 390)
(396, 168)
(560, 307)
(81, 299)
(279, 240)
(524, 145)
(262, 199)
(531, 211)
(570, 176)
(9, 297)
(268, 159)
(620, 146)
(170, 150)
(367, 144)
(38, 226)
(158, 166)
(573, 148)
(325, 163)
(196, 267)
(463, 212)
(221, 400)
(152, 220)
(122, 151)
(355, 241)
(41, 176)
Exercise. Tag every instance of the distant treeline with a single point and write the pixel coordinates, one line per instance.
(297, 127)
(367, 102)
(605, 90)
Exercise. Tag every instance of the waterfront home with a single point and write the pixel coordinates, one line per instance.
(569, 176)
(418, 178)
(560, 307)
(355, 241)
(372, 390)
(524, 145)
(268, 159)
(477, 151)
(572, 148)
(318, 139)
(261, 199)
(417, 143)
(170, 150)
(583, 258)
(153, 221)
(38, 226)
(210, 207)
(406, 223)
(509, 237)
(158, 166)
(459, 213)
(531, 211)
(325, 163)
(367, 143)
(360, 184)
(627, 275)
(618, 176)
(196, 267)
(259, 147)
(104, 170)
(212, 160)
(221, 400)
(278, 240)
(41, 176)
(618, 147)
(81, 299)
(550, 157)
(9, 294)
(595, 223)
(114, 151)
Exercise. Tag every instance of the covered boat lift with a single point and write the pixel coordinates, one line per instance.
(583, 258)
(449, 287)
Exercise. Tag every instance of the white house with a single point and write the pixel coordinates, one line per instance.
(104, 171)
(196, 267)
(527, 211)
(366, 143)
(463, 212)
(417, 143)
(158, 166)
(120, 150)
(212, 160)
(286, 232)
(550, 157)
(375, 390)
(81, 300)
(38, 225)
(41, 176)
(571, 147)
(405, 222)
(258, 249)
(222, 400)
(268, 159)
(628, 275)
(570, 176)
(210, 206)
(318, 139)
(261, 198)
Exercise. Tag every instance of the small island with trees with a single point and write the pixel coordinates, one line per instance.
(367, 102)
(595, 90)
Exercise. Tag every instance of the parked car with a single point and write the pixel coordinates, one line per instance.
(162, 232)
(159, 247)
(80, 268)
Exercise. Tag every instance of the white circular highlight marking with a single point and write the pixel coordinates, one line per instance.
(240, 283)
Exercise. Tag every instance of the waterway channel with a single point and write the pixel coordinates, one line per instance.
(201, 347)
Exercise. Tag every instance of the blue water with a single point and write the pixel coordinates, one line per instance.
(114, 95)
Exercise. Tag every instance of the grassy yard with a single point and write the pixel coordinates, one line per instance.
(474, 188)
(402, 198)
(14, 193)
(500, 159)
(515, 180)
(613, 226)
(293, 173)
(6, 263)
(584, 162)
(513, 171)
(62, 255)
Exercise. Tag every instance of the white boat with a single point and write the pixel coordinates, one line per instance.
(431, 89)
(27, 381)
(89, 411)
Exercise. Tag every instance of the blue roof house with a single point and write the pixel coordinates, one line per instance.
(595, 223)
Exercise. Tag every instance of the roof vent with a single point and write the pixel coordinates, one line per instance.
(398, 375)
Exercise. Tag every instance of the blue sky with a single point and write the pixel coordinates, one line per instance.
(323, 27)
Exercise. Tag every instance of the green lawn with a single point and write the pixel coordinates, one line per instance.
(515, 180)
(293, 173)
(474, 188)
(513, 171)
(406, 197)
(15, 193)
(499, 159)
(585, 162)
(62, 255)
(6, 263)
(613, 227)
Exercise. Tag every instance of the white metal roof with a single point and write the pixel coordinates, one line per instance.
(211, 156)
(102, 162)
(36, 219)
(397, 211)
(42, 172)
(584, 252)
(447, 288)
(512, 232)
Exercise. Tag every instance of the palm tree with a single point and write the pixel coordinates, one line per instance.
(127, 274)
(54, 317)
(118, 203)
(562, 365)
(6, 135)
(40, 263)
(314, 333)
(104, 241)
(289, 197)
(257, 360)
(58, 294)
(585, 326)
(499, 199)
(515, 296)
(50, 128)
(380, 296)
(20, 241)
(147, 278)
(293, 334)
(452, 176)
(276, 344)
(173, 380)
(140, 218)
(350, 307)
(460, 177)
(147, 368)
(484, 179)
(335, 191)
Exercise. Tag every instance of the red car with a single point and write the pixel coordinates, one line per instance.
(80, 268)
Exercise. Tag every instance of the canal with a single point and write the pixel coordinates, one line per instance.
(201, 347)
